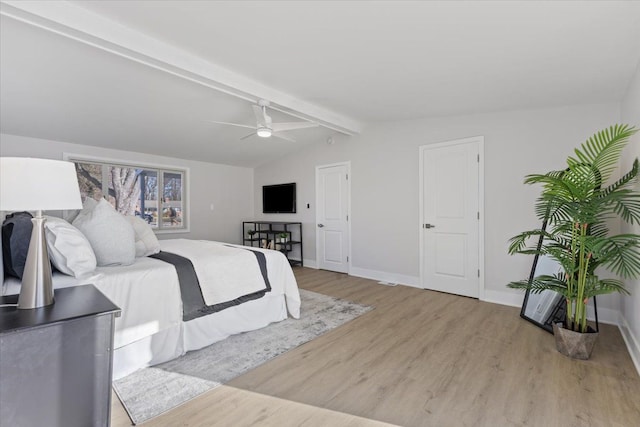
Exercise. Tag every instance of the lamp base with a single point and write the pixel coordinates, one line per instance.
(37, 286)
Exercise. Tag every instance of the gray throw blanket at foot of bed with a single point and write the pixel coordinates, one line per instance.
(193, 304)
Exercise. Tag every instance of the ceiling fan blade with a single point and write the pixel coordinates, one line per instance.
(279, 127)
(260, 115)
(232, 124)
(286, 138)
(248, 136)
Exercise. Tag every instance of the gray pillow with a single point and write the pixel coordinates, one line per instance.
(109, 233)
(16, 234)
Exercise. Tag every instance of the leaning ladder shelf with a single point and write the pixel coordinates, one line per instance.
(267, 233)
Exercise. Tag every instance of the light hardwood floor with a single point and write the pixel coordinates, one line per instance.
(422, 358)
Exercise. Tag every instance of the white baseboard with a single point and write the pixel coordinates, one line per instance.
(633, 345)
(605, 315)
(504, 298)
(383, 276)
(311, 263)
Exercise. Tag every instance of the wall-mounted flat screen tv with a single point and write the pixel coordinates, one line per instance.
(280, 198)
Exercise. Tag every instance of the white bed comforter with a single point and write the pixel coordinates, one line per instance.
(148, 292)
(281, 278)
(224, 273)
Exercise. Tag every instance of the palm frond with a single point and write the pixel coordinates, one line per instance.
(553, 184)
(619, 198)
(584, 180)
(554, 209)
(560, 254)
(599, 229)
(621, 254)
(625, 180)
(627, 205)
(606, 286)
(548, 177)
(603, 149)
(541, 283)
(518, 244)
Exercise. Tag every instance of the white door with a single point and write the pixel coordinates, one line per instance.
(332, 217)
(450, 214)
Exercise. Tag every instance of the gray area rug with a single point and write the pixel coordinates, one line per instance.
(152, 391)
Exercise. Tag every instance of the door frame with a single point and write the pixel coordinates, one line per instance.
(315, 223)
(479, 140)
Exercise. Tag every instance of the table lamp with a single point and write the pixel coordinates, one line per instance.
(28, 184)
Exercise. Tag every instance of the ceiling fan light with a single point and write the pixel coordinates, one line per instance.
(263, 132)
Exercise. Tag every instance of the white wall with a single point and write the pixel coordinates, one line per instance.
(228, 188)
(630, 322)
(384, 182)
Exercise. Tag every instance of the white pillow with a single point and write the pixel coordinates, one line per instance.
(69, 251)
(111, 236)
(146, 240)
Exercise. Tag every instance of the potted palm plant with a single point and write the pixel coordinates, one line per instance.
(577, 204)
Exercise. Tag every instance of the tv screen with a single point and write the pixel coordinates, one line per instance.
(279, 198)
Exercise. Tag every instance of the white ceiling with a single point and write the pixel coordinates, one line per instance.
(55, 88)
(343, 64)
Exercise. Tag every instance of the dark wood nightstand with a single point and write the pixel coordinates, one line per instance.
(56, 361)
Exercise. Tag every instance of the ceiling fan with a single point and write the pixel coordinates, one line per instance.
(264, 127)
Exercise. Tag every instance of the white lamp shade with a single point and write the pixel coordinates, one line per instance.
(28, 184)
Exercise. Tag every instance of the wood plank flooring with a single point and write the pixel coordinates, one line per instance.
(422, 358)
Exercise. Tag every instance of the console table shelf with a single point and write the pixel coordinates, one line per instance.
(267, 233)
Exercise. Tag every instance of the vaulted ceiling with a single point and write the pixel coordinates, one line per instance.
(146, 76)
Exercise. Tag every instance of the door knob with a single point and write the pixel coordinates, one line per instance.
(320, 225)
(428, 226)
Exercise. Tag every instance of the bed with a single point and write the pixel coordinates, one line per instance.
(152, 329)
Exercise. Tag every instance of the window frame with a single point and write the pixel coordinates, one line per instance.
(161, 169)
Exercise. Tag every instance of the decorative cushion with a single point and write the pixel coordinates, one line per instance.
(16, 235)
(71, 215)
(89, 203)
(146, 240)
(110, 234)
(70, 252)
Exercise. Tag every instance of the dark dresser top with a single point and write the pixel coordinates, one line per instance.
(69, 303)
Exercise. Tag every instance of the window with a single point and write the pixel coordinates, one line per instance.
(157, 195)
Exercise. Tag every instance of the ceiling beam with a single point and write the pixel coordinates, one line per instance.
(84, 26)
